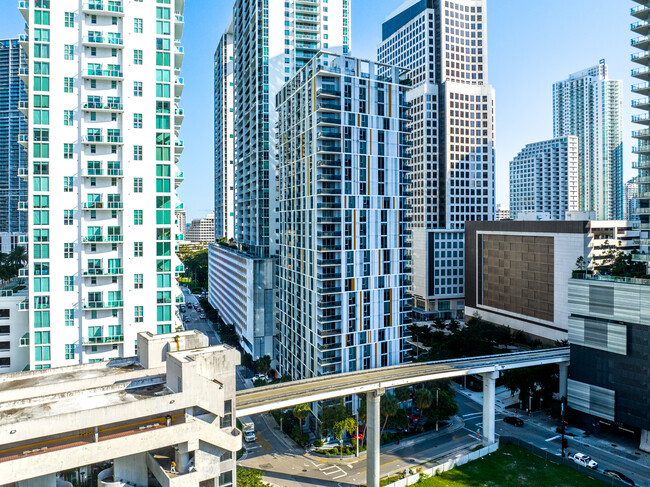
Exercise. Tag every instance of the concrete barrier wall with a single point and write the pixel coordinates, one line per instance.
(443, 467)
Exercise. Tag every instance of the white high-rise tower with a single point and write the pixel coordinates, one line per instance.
(103, 114)
(444, 44)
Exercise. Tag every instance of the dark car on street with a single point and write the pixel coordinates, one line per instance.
(514, 420)
(619, 476)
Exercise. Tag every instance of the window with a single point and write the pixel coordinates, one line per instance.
(137, 217)
(67, 217)
(137, 249)
(67, 149)
(138, 281)
(69, 351)
(139, 314)
(137, 152)
(137, 185)
(68, 52)
(67, 121)
(68, 183)
(68, 250)
(68, 284)
(69, 19)
(137, 26)
(137, 56)
(137, 120)
(69, 317)
(137, 88)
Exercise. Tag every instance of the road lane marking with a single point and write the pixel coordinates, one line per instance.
(553, 438)
(264, 444)
(472, 406)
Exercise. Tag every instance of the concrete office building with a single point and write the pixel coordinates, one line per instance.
(201, 230)
(641, 15)
(104, 88)
(517, 273)
(589, 105)
(444, 44)
(344, 246)
(224, 156)
(13, 125)
(609, 336)
(174, 402)
(269, 46)
(503, 213)
(608, 238)
(544, 178)
(248, 304)
(631, 200)
(181, 223)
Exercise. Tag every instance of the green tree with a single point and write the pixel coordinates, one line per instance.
(348, 425)
(541, 380)
(388, 408)
(439, 324)
(624, 265)
(445, 406)
(247, 360)
(332, 415)
(300, 412)
(403, 394)
(453, 326)
(423, 399)
(250, 478)
(263, 365)
(581, 264)
(362, 413)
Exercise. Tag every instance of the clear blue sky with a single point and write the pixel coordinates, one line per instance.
(531, 45)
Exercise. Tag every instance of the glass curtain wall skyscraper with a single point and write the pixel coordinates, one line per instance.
(589, 105)
(104, 89)
(444, 44)
(13, 157)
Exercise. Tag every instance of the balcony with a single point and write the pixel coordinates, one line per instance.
(101, 140)
(102, 239)
(642, 119)
(99, 205)
(23, 7)
(644, 72)
(102, 107)
(101, 173)
(23, 172)
(101, 340)
(24, 305)
(329, 134)
(101, 41)
(179, 115)
(179, 23)
(112, 9)
(23, 106)
(640, 27)
(179, 146)
(641, 57)
(640, 12)
(102, 304)
(641, 88)
(641, 134)
(332, 148)
(23, 74)
(179, 84)
(328, 92)
(327, 105)
(306, 27)
(23, 139)
(179, 52)
(100, 73)
(110, 272)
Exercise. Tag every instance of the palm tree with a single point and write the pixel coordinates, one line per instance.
(300, 412)
(423, 399)
(388, 408)
(18, 256)
(403, 394)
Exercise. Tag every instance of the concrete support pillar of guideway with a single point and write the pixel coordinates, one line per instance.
(373, 431)
(489, 406)
(42, 481)
(564, 379)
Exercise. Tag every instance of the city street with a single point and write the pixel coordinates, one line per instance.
(196, 323)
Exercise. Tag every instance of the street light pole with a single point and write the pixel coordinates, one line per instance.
(562, 415)
(357, 418)
(437, 411)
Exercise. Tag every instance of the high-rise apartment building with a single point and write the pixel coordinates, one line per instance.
(103, 115)
(589, 105)
(544, 178)
(631, 200)
(641, 14)
(344, 248)
(444, 44)
(224, 157)
(13, 158)
(270, 42)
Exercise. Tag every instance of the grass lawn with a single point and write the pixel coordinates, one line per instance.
(510, 466)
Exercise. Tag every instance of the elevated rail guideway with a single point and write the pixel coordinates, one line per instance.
(374, 382)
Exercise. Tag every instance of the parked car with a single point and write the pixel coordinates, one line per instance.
(514, 420)
(584, 460)
(202, 316)
(619, 476)
(189, 305)
(260, 377)
(414, 417)
(187, 319)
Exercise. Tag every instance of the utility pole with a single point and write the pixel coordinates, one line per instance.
(437, 411)
(562, 414)
(357, 435)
